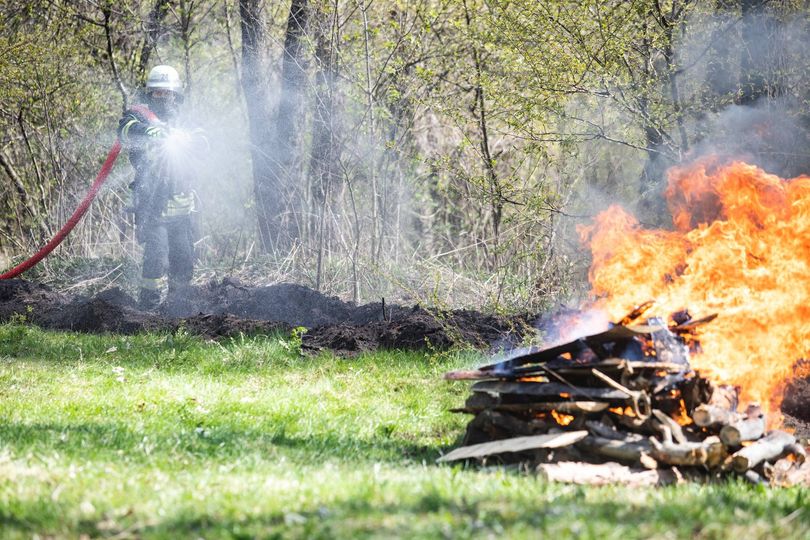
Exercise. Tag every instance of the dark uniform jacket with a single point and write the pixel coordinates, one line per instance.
(160, 189)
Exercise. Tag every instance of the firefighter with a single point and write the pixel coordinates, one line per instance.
(162, 197)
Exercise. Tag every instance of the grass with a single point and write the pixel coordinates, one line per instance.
(167, 436)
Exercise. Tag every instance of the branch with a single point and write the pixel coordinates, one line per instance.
(116, 76)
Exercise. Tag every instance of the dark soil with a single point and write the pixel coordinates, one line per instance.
(228, 307)
(796, 402)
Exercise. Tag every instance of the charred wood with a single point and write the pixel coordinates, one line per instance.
(492, 425)
(565, 407)
(600, 429)
(633, 452)
(795, 452)
(552, 391)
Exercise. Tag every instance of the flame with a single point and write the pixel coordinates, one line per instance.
(533, 379)
(626, 411)
(682, 417)
(561, 418)
(740, 248)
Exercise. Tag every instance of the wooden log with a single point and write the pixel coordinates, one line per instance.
(482, 400)
(600, 429)
(579, 346)
(639, 400)
(787, 472)
(604, 474)
(552, 391)
(754, 477)
(767, 448)
(725, 396)
(749, 429)
(561, 366)
(716, 451)
(713, 416)
(721, 408)
(687, 453)
(673, 428)
(624, 451)
(515, 444)
(795, 451)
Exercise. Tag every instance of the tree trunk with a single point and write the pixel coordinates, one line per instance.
(323, 172)
(285, 151)
(758, 29)
(257, 101)
(154, 28)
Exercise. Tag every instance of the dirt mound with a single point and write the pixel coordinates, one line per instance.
(293, 304)
(229, 307)
(416, 329)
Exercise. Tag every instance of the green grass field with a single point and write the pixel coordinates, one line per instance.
(167, 436)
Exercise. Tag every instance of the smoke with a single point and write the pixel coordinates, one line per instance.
(744, 89)
(567, 325)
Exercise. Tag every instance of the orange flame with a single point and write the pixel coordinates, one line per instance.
(561, 418)
(741, 248)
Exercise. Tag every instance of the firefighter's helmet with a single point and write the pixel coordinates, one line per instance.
(164, 78)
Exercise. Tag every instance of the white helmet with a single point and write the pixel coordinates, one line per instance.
(164, 77)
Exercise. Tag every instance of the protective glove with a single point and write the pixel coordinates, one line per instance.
(157, 132)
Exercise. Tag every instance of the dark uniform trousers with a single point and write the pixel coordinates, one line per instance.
(168, 247)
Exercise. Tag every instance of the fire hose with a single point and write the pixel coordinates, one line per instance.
(74, 219)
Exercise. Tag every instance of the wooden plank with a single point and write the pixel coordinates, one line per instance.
(562, 367)
(551, 390)
(565, 407)
(515, 444)
(533, 355)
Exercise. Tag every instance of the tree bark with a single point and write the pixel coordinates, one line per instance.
(323, 173)
(285, 150)
(154, 28)
(754, 51)
(257, 101)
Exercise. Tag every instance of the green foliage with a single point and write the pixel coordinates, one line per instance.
(465, 137)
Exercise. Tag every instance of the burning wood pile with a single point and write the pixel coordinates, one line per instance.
(625, 395)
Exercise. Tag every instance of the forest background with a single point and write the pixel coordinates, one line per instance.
(423, 148)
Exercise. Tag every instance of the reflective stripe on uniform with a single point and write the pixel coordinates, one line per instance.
(152, 284)
(126, 128)
(153, 131)
(181, 204)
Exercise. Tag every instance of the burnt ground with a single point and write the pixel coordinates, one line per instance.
(227, 308)
(796, 404)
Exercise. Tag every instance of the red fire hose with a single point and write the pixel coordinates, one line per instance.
(74, 219)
